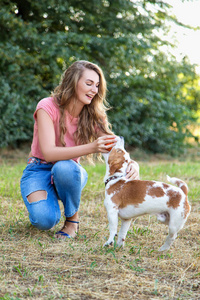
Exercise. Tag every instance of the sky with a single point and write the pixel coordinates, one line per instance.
(187, 12)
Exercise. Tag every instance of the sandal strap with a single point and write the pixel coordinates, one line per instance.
(63, 234)
(77, 222)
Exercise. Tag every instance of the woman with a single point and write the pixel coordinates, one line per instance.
(69, 124)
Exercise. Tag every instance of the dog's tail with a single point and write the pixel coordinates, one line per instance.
(180, 183)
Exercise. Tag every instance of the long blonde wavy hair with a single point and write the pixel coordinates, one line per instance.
(93, 117)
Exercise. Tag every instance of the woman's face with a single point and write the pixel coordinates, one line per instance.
(87, 87)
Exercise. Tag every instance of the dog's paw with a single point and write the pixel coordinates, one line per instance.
(109, 243)
(164, 248)
(120, 242)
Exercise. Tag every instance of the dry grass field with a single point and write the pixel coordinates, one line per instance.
(34, 265)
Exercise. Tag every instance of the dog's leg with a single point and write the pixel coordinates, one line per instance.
(175, 224)
(123, 232)
(113, 222)
(169, 241)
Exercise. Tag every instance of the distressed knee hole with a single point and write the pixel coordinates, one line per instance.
(37, 196)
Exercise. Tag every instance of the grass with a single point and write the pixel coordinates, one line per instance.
(34, 265)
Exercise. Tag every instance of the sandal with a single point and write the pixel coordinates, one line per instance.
(62, 233)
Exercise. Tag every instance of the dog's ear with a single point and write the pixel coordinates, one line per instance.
(116, 160)
(115, 163)
(115, 167)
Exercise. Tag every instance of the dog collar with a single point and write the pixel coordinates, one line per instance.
(112, 178)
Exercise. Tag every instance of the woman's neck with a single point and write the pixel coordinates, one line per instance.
(75, 108)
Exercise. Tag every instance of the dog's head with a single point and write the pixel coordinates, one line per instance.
(117, 159)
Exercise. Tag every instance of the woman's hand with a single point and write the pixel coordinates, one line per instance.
(132, 171)
(104, 143)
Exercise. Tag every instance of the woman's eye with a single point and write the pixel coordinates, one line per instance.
(90, 84)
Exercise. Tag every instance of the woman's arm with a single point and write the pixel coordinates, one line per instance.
(51, 152)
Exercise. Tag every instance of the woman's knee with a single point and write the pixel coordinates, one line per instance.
(44, 219)
(43, 224)
(44, 212)
(67, 172)
(37, 196)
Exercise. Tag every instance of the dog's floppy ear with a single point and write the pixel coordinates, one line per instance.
(115, 161)
(115, 167)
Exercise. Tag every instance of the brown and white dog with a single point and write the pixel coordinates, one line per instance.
(131, 198)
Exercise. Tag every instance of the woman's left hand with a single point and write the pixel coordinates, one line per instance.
(132, 172)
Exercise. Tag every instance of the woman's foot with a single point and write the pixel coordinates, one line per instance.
(70, 229)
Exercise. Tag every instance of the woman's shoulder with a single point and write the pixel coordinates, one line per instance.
(49, 101)
(49, 105)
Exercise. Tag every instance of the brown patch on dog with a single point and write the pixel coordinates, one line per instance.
(182, 185)
(186, 208)
(184, 189)
(174, 198)
(116, 160)
(131, 192)
(165, 185)
(156, 192)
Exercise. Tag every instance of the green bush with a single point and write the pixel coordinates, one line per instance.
(146, 87)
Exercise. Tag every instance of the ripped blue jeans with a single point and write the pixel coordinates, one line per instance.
(63, 180)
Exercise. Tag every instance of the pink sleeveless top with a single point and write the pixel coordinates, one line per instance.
(52, 109)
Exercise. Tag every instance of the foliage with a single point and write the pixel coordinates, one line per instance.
(39, 39)
(155, 109)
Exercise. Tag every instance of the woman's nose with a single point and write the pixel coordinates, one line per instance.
(94, 89)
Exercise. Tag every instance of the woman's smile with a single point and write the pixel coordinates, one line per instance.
(88, 86)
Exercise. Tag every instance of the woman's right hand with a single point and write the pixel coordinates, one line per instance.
(104, 143)
(52, 152)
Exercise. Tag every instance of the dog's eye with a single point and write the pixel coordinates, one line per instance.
(119, 150)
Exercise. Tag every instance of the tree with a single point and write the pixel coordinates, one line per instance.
(39, 39)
